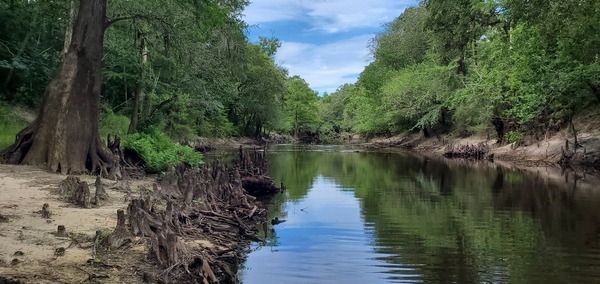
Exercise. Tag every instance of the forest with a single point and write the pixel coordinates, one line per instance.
(173, 71)
(457, 66)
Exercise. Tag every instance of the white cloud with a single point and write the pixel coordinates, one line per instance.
(325, 67)
(327, 15)
(267, 11)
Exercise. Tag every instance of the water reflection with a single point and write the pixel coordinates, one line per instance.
(358, 217)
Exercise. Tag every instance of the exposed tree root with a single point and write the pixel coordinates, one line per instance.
(476, 152)
(75, 191)
(15, 153)
(209, 204)
(120, 236)
(101, 194)
(98, 159)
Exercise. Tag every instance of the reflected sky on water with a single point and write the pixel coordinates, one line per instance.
(372, 217)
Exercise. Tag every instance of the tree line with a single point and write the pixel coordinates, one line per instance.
(465, 66)
(179, 68)
(184, 67)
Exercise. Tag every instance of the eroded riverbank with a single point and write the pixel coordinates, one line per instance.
(188, 226)
(553, 150)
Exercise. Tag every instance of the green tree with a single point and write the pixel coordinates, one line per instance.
(300, 106)
(417, 95)
(331, 108)
(31, 39)
(405, 40)
(456, 25)
(258, 105)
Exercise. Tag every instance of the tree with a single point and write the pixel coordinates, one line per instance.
(404, 42)
(416, 95)
(31, 34)
(455, 24)
(331, 108)
(269, 46)
(64, 137)
(300, 105)
(257, 106)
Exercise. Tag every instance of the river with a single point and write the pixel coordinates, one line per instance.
(374, 217)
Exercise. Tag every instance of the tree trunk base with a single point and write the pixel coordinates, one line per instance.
(75, 191)
(120, 236)
(98, 160)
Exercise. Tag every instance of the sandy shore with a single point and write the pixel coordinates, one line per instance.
(29, 246)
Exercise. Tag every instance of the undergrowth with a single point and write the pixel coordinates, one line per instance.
(10, 125)
(113, 124)
(158, 151)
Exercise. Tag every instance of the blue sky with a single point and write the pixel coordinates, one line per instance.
(326, 42)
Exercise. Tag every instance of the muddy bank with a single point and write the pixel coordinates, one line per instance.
(189, 226)
(558, 149)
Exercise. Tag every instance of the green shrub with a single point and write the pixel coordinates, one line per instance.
(112, 123)
(158, 151)
(10, 125)
(514, 136)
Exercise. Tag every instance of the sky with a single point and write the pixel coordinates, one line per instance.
(326, 42)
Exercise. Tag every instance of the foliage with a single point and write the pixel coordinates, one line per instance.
(514, 136)
(158, 151)
(365, 110)
(334, 123)
(112, 123)
(366, 113)
(31, 41)
(258, 106)
(300, 106)
(416, 95)
(405, 40)
(10, 125)
(458, 65)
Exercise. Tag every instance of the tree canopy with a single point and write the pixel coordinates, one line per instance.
(454, 66)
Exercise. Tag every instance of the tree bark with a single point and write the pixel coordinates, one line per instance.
(139, 89)
(69, 28)
(65, 137)
(595, 91)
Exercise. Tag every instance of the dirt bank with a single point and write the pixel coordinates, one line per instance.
(550, 149)
(191, 226)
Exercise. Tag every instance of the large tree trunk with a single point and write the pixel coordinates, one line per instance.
(64, 137)
(69, 28)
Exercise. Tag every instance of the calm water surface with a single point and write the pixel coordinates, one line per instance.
(364, 217)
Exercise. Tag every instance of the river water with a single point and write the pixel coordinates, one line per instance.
(373, 217)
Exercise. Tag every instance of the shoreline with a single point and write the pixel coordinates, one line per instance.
(188, 227)
(548, 152)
